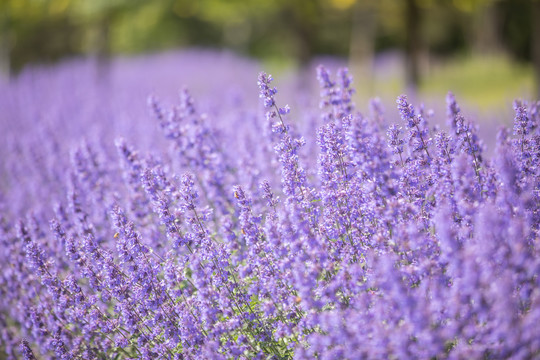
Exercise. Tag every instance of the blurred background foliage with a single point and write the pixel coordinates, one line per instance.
(468, 45)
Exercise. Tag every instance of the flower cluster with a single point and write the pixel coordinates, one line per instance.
(224, 241)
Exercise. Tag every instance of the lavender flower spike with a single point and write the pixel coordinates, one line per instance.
(266, 91)
(26, 351)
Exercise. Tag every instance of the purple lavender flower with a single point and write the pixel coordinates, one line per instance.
(390, 243)
(336, 97)
(394, 142)
(452, 110)
(466, 138)
(26, 351)
(522, 123)
(442, 143)
(267, 92)
(418, 132)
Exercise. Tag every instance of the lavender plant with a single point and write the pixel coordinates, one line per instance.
(224, 240)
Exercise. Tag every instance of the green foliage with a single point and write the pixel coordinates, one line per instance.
(282, 32)
(484, 81)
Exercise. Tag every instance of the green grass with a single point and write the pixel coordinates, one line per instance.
(486, 82)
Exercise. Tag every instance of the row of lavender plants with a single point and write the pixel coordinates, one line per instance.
(358, 239)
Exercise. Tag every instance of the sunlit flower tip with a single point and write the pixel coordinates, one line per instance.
(264, 78)
(265, 91)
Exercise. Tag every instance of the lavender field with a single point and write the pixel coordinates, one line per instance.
(182, 206)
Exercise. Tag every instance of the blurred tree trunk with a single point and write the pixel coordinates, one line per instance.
(303, 15)
(103, 46)
(412, 44)
(486, 40)
(535, 38)
(5, 45)
(363, 45)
